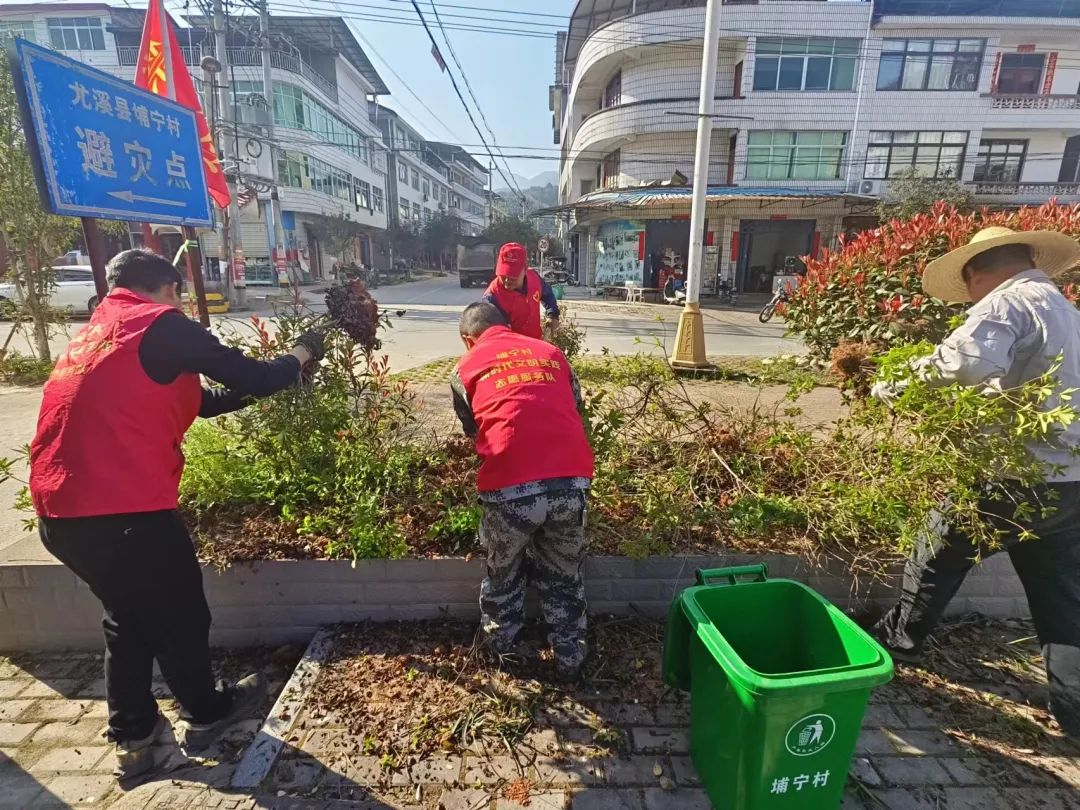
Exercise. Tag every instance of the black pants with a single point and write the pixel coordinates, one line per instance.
(1049, 568)
(143, 569)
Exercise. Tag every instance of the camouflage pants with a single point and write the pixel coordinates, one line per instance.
(543, 535)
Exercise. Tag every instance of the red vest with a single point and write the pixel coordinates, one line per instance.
(108, 437)
(522, 311)
(529, 426)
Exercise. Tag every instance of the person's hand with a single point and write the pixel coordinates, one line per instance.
(314, 342)
(553, 325)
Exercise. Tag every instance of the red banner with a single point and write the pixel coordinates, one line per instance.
(162, 71)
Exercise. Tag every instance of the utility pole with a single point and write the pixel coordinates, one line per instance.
(491, 194)
(278, 248)
(689, 349)
(211, 69)
(236, 283)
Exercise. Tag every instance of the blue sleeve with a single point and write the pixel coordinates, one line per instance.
(548, 299)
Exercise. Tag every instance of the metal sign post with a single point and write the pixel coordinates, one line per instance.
(543, 245)
(102, 148)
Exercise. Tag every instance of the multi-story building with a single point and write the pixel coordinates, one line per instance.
(818, 105)
(329, 155)
(468, 181)
(418, 181)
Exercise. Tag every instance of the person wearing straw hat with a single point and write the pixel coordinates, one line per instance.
(1018, 326)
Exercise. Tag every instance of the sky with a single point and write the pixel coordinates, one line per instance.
(509, 73)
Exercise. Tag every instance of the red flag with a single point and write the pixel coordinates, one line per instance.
(161, 70)
(438, 57)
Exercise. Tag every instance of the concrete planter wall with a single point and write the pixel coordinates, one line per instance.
(43, 606)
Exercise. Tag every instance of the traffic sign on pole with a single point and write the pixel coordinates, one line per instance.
(543, 244)
(103, 148)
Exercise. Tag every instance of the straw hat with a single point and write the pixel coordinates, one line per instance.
(1054, 253)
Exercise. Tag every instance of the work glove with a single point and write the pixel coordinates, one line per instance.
(314, 340)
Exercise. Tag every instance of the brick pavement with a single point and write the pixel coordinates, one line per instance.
(52, 755)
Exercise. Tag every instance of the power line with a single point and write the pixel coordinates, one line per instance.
(472, 95)
(461, 98)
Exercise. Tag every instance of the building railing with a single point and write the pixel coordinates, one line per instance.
(128, 56)
(1034, 102)
(999, 189)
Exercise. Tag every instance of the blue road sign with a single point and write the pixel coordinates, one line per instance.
(105, 148)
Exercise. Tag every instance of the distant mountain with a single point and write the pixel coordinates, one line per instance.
(542, 179)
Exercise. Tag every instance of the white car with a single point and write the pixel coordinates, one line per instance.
(74, 292)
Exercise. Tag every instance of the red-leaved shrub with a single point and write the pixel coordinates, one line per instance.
(870, 291)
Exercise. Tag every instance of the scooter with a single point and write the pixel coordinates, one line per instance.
(674, 291)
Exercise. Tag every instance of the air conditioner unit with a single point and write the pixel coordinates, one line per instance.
(870, 187)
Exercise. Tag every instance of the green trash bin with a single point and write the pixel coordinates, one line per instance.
(779, 680)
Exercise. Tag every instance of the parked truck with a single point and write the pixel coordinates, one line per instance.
(476, 264)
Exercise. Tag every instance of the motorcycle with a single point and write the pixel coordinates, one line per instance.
(725, 293)
(779, 297)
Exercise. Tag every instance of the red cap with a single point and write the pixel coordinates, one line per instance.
(512, 260)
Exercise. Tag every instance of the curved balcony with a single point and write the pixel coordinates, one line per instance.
(606, 129)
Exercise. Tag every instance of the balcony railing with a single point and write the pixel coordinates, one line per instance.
(128, 55)
(1035, 102)
(1037, 190)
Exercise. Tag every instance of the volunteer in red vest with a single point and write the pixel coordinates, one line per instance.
(518, 291)
(105, 468)
(519, 400)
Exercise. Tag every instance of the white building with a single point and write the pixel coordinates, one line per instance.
(468, 181)
(330, 157)
(818, 105)
(418, 181)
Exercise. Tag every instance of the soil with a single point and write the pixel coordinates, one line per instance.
(413, 691)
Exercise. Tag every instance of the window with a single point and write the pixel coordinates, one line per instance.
(612, 92)
(427, 188)
(76, 33)
(242, 88)
(930, 64)
(363, 195)
(609, 170)
(417, 214)
(444, 195)
(377, 200)
(794, 155)
(1000, 160)
(404, 211)
(402, 172)
(805, 64)
(416, 179)
(289, 105)
(588, 187)
(9, 29)
(291, 170)
(934, 154)
(1021, 73)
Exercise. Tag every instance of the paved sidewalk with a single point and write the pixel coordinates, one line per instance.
(930, 741)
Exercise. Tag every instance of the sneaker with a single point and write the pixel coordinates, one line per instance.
(135, 758)
(247, 694)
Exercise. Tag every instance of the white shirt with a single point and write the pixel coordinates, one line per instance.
(1013, 336)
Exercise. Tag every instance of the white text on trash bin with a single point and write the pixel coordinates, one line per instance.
(795, 784)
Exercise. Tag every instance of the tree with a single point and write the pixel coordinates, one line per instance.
(31, 237)
(441, 235)
(512, 229)
(336, 233)
(912, 193)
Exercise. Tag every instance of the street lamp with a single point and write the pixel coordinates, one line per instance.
(689, 351)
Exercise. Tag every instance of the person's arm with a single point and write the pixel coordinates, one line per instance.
(550, 302)
(979, 351)
(575, 387)
(461, 406)
(220, 401)
(174, 344)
